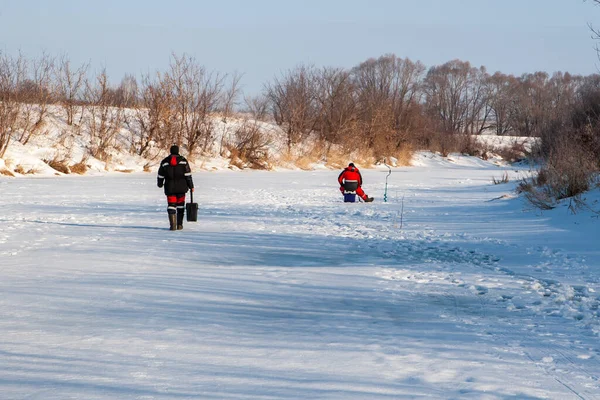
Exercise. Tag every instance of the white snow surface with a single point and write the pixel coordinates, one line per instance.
(452, 289)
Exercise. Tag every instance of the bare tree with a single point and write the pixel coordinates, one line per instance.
(292, 102)
(257, 107)
(456, 96)
(35, 95)
(230, 97)
(153, 118)
(337, 105)
(248, 145)
(595, 31)
(531, 108)
(196, 95)
(70, 84)
(389, 89)
(126, 94)
(105, 119)
(500, 89)
(12, 74)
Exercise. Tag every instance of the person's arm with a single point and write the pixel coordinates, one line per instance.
(188, 176)
(359, 179)
(341, 178)
(160, 179)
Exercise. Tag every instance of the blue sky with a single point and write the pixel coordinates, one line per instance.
(262, 38)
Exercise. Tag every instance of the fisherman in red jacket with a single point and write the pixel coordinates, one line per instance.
(350, 181)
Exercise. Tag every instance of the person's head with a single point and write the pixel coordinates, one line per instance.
(351, 165)
(174, 149)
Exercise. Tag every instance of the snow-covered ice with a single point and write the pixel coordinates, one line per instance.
(453, 289)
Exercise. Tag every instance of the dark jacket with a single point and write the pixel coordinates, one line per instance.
(175, 174)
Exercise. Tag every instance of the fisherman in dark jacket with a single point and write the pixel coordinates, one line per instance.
(175, 175)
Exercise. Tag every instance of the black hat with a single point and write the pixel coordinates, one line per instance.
(174, 149)
(351, 164)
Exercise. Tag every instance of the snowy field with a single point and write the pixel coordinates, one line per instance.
(453, 289)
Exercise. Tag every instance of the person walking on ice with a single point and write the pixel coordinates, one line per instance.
(175, 175)
(350, 181)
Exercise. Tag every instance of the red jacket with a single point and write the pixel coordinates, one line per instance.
(350, 174)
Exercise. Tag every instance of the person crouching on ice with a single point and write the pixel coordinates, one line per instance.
(350, 181)
(175, 175)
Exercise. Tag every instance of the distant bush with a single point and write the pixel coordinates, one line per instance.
(503, 179)
(79, 168)
(4, 171)
(59, 164)
(513, 153)
(20, 169)
(568, 170)
(249, 147)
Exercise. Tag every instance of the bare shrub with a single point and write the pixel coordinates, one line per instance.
(153, 118)
(540, 199)
(307, 157)
(70, 83)
(249, 146)
(513, 153)
(568, 172)
(336, 106)
(501, 180)
(104, 120)
(230, 97)
(79, 168)
(257, 107)
(292, 102)
(535, 194)
(6, 172)
(336, 158)
(195, 94)
(35, 95)
(444, 143)
(24, 170)
(12, 73)
(59, 165)
(404, 155)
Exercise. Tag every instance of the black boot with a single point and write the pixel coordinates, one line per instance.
(172, 222)
(180, 212)
(368, 199)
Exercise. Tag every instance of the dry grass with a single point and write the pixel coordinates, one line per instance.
(125, 171)
(536, 196)
(80, 168)
(304, 162)
(248, 147)
(567, 173)
(513, 153)
(20, 169)
(404, 155)
(503, 179)
(58, 165)
(304, 159)
(336, 159)
(6, 172)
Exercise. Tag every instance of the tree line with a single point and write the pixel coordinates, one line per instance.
(382, 106)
